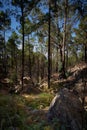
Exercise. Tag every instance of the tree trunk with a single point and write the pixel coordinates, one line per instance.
(64, 39)
(58, 29)
(49, 49)
(61, 53)
(85, 53)
(29, 59)
(66, 11)
(22, 8)
(41, 65)
(5, 57)
(57, 60)
(38, 68)
(67, 56)
(16, 67)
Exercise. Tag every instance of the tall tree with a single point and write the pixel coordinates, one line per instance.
(64, 35)
(2, 57)
(25, 8)
(4, 26)
(12, 52)
(81, 36)
(49, 47)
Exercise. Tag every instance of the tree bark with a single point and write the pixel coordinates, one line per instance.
(38, 68)
(57, 60)
(85, 53)
(22, 12)
(67, 56)
(49, 49)
(64, 38)
(29, 60)
(5, 57)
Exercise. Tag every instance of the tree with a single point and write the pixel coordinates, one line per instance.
(12, 53)
(4, 26)
(2, 57)
(28, 56)
(49, 47)
(81, 36)
(51, 5)
(25, 8)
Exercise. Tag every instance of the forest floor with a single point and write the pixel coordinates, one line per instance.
(28, 111)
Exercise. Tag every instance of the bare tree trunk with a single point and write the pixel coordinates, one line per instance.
(85, 53)
(22, 8)
(16, 67)
(29, 59)
(42, 70)
(49, 49)
(41, 65)
(57, 46)
(67, 56)
(61, 53)
(5, 57)
(67, 9)
(57, 60)
(38, 65)
(64, 39)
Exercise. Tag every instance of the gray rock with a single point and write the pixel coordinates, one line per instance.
(67, 108)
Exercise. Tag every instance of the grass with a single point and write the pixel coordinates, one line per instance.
(40, 101)
(24, 112)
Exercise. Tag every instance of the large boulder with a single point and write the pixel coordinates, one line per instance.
(28, 80)
(67, 108)
(29, 86)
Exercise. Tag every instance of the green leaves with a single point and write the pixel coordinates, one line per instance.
(22, 111)
(5, 20)
(81, 32)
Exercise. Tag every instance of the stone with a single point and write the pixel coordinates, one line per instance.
(67, 108)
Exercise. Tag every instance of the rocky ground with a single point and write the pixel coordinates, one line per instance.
(70, 100)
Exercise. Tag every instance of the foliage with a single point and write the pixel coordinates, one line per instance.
(41, 101)
(10, 116)
(14, 111)
(45, 37)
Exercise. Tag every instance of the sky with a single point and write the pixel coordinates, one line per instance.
(14, 24)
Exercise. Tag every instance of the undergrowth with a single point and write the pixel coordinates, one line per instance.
(27, 112)
(24, 112)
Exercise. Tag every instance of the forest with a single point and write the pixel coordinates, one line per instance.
(43, 64)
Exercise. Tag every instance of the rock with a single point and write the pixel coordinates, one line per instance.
(67, 108)
(26, 80)
(44, 86)
(15, 89)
